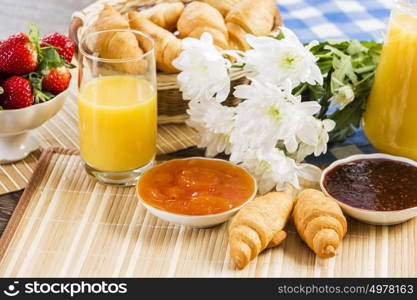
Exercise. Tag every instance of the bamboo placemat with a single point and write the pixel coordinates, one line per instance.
(66, 224)
(62, 131)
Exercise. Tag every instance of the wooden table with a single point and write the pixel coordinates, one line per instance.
(7, 204)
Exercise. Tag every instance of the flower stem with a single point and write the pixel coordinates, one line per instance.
(324, 101)
(301, 90)
(238, 66)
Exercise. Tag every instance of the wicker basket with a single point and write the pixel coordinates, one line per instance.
(171, 106)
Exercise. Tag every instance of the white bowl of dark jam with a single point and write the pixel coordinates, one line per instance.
(378, 189)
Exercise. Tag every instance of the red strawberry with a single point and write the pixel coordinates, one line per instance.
(17, 93)
(65, 44)
(57, 80)
(1, 90)
(18, 55)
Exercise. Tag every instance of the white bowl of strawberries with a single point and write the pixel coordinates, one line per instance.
(34, 80)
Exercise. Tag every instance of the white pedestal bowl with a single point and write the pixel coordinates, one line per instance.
(17, 139)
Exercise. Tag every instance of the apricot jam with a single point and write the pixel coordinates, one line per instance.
(195, 186)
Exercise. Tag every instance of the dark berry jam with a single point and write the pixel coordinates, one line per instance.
(374, 184)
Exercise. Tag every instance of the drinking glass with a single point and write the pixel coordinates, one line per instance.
(117, 107)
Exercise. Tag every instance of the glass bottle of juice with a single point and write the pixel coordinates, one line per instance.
(390, 119)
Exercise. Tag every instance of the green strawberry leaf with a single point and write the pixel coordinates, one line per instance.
(42, 96)
(36, 80)
(69, 65)
(50, 60)
(34, 37)
(65, 63)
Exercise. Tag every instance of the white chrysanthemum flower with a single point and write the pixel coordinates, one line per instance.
(343, 96)
(319, 131)
(272, 168)
(271, 131)
(271, 114)
(274, 61)
(204, 70)
(214, 143)
(214, 123)
(322, 131)
(302, 152)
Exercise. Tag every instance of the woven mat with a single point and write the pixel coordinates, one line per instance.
(66, 224)
(62, 131)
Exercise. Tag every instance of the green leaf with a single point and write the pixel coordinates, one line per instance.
(280, 36)
(325, 65)
(356, 47)
(344, 63)
(339, 135)
(34, 37)
(42, 96)
(313, 92)
(35, 79)
(297, 91)
(233, 66)
(55, 58)
(50, 60)
(347, 119)
(69, 65)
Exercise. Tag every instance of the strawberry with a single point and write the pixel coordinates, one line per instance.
(1, 90)
(65, 45)
(17, 93)
(19, 53)
(2, 78)
(57, 80)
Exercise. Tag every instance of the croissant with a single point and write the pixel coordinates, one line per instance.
(199, 17)
(223, 6)
(167, 46)
(259, 225)
(319, 222)
(164, 14)
(118, 45)
(237, 37)
(256, 17)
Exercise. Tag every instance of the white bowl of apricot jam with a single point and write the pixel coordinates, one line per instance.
(197, 192)
(378, 189)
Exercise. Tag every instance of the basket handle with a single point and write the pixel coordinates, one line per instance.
(76, 23)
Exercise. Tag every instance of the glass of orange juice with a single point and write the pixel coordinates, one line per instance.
(117, 107)
(390, 119)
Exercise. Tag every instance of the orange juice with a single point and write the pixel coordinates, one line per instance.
(118, 123)
(390, 120)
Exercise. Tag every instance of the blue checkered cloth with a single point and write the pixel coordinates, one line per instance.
(338, 19)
